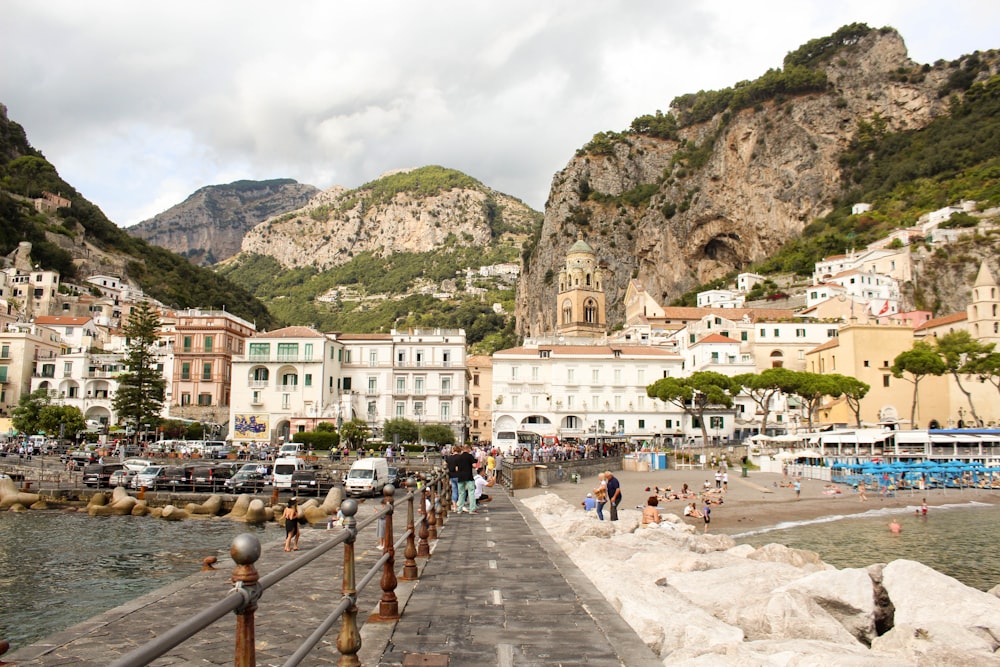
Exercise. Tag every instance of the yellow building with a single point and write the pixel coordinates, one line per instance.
(481, 394)
(866, 352)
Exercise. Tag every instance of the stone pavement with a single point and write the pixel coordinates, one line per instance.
(495, 591)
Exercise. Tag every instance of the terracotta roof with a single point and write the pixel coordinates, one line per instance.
(756, 314)
(290, 332)
(62, 320)
(363, 336)
(941, 321)
(717, 338)
(833, 342)
(479, 360)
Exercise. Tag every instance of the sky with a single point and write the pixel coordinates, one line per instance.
(139, 104)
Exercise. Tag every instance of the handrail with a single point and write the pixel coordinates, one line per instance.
(249, 586)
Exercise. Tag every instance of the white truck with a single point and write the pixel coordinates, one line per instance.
(284, 468)
(367, 477)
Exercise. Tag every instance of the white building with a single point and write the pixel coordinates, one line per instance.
(721, 298)
(84, 380)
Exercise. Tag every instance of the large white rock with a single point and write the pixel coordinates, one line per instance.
(943, 645)
(782, 653)
(846, 595)
(925, 598)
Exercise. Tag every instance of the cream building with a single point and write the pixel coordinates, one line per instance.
(27, 351)
(480, 397)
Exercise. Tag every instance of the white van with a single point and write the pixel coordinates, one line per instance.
(291, 449)
(367, 477)
(283, 469)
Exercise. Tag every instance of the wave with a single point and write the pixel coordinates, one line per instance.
(870, 514)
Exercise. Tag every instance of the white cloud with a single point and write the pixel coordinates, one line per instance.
(140, 104)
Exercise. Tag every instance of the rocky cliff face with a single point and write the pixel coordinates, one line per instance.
(383, 218)
(208, 226)
(726, 192)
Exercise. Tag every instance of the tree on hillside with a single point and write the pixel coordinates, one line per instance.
(960, 351)
(853, 390)
(812, 388)
(764, 386)
(919, 361)
(27, 414)
(141, 388)
(696, 394)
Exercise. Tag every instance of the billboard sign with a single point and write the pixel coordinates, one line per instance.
(251, 427)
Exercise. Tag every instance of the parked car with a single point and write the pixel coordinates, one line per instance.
(312, 482)
(137, 465)
(147, 477)
(99, 474)
(249, 479)
(397, 476)
(122, 477)
(209, 477)
(175, 477)
(161, 477)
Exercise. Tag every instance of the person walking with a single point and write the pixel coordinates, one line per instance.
(291, 517)
(451, 463)
(464, 466)
(614, 494)
(601, 495)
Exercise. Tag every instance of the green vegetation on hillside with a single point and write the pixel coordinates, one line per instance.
(291, 294)
(25, 174)
(904, 175)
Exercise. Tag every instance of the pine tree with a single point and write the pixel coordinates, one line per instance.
(141, 389)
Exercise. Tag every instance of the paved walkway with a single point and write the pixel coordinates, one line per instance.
(496, 591)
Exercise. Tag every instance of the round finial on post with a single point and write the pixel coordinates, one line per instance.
(388, 490)
(208, 562)
(349, 507)
(411, 483)
(245, 549)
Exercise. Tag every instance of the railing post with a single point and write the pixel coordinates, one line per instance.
(349, 639)
(435, 505)
(423, 548)
(245, 550)
(444, 486)
(388, 606)
(410, 550)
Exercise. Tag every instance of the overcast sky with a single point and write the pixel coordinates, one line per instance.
(138, 104)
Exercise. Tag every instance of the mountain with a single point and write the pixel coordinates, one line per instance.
(78, 240)
(208, 226)
(408, 210)
(726, 178)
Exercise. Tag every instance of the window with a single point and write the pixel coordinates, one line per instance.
(567, 312)
(595, 376)
(446, 385)
(475, 380)
(418, 386)
(286, 401)
(290, 380)
(5, 351)
(590, 312)
(187, 343)
(74, 392)
(347, 384)
(401, 385)
(445, 411)
(691, 338)
(373, 358)
(206, 371)
(186, 372)
(307, 352)
(866, 363)
(400, 409)
(513, 373)
(446, 359)
(569, 401)
(777, 333)
(571, 375)
(67, 368)
(744, 336)
(309, 379)
(260, 351)
(641, 376)
(372, 384)
(260, 375)
(209, 342)
(831, 333)
(800, 333)
(185, 399)
(534, 373)
(204, 399)
(288, 351)
(475, 401)
(401, 358)
(419, 358)
(763, 332)
(3, 373)
(255, 399)
(642, 424)
(885, 380)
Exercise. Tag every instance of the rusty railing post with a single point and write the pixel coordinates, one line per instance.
(423, 548)
(435, 505)
(444, 486)
(388, 606)
(349, 639)
(410, 550)
(245, 550)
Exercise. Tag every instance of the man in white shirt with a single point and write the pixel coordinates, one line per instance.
(481, 484)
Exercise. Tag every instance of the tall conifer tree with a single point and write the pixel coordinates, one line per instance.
(141, 388)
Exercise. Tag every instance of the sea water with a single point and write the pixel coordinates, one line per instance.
(58, 569)
(959, 540)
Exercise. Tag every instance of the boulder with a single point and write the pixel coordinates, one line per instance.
(782, 653)
(257, 512)
(846, 595)
(121, 504)
(926, 598)
(238, 513)
(10, 495)
(779, 553)
(943, 644)
(212, 506)
(171, 513)
(335, 496)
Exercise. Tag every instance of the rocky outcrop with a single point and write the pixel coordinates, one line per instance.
(699, 600)
(729, 191)
(381, 218)
(208, 226)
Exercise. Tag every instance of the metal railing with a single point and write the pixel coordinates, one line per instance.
(250, 585)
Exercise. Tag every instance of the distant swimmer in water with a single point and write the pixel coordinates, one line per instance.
(895, 528)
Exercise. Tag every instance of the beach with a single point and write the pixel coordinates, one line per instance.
(758, 501)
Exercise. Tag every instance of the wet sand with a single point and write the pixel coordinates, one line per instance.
(758, 501)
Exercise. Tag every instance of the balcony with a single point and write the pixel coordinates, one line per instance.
(288, 388)
(257, 384)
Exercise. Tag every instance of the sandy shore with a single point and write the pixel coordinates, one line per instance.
(758, 501)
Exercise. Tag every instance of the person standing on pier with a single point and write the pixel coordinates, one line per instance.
(291, 517)
(614, 494)
(464, 464)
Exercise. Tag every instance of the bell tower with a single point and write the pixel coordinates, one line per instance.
(984, 311)
(580, 304)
